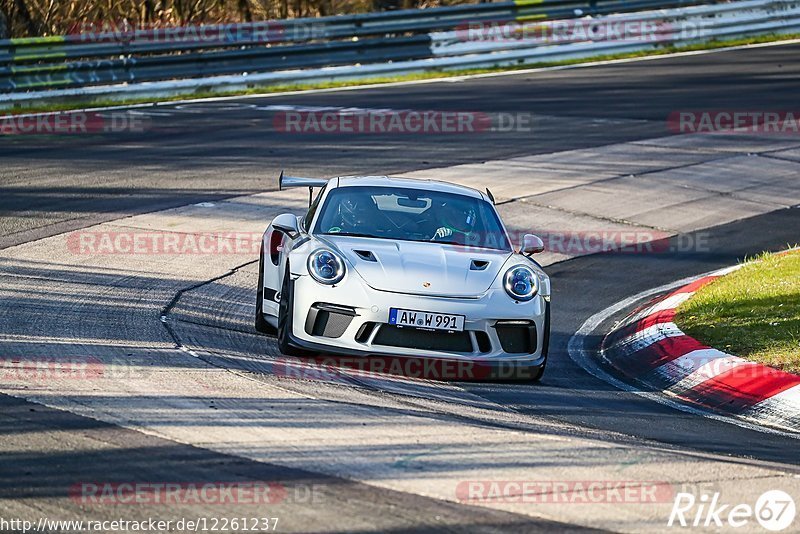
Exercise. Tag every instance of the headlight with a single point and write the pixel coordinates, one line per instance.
(521, 283)
(326, 267)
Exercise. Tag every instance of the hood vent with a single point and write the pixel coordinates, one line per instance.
(365, 255)
(478, 265)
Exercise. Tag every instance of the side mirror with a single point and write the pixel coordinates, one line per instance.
(287, 223)
(531, 244)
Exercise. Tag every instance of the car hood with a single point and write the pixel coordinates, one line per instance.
(421, 268)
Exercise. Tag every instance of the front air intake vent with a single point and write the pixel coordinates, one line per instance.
(517, 337)
(484, 345)
(362, 336)
(478, 265)
(328, 320)
(366, 255)
(410, 338)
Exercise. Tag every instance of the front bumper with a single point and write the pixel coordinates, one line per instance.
(502, 339)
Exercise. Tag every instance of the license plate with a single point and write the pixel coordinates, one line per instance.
(428, 320)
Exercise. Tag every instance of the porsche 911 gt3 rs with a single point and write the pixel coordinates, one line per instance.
(383, 266)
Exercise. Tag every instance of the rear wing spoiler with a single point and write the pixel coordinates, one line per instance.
(285, 182)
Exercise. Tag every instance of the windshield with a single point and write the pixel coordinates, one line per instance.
(412, 215)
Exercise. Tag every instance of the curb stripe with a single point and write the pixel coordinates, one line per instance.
(698, 367)
(642, 339)
(791, 395)
(648, 360)
(694, 286)
(743, 386)
(660, 310)
(662, 317)
(649, 347)
(782, 409)
(671, 303)
(644, 310)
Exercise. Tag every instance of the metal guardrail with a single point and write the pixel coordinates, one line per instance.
(107, 58)
(395, 42)
(668, 26)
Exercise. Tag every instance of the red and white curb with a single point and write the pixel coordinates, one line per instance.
(648, 347)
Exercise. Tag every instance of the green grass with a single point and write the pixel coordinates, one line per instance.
(72, 104)
(753, 312)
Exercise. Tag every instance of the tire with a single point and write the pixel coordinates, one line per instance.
(261, 324)
(285, 317)
(539, 374)
(545, 344)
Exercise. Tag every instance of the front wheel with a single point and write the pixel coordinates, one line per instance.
(261, 324)
(545, 343)
(285, 316)
(539, 374)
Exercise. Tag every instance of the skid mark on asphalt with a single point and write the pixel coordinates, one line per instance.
(223, 309)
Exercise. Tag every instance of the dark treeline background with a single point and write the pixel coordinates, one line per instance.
(36, 18)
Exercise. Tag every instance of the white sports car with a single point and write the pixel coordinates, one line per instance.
(382, 266)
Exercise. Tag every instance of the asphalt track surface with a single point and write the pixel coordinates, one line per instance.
(59, 184)
(53, 185)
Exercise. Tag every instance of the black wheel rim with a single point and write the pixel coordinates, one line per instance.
(283, 312)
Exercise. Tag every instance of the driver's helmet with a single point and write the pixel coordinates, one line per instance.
(357, 210)
(459, 217)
